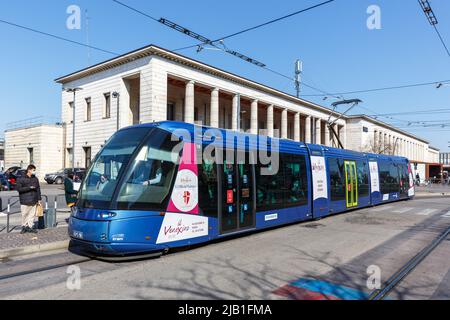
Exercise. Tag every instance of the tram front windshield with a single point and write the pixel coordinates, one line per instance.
(131, 173)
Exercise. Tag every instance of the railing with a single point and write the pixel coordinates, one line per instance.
(31, 122)
(15, 200)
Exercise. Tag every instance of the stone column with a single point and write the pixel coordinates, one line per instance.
(318, 131)
(327, 135)
(189, 102)
(254, 117)
(297, 127)
(284, 124)
(270, 121)
(214, 108)
(308, 129)
(234, 113)
(375, 140)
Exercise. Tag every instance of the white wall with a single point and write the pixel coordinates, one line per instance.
(46, 141)
(407, 146)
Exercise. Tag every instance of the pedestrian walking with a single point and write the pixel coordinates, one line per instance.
(70, 192)
(30, 198)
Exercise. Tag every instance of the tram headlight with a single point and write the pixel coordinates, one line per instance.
(107, 215)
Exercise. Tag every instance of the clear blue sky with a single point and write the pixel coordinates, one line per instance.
(339, 52)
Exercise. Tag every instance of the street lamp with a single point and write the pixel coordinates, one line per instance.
(74, 91)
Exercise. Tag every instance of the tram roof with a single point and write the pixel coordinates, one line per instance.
(249, 139)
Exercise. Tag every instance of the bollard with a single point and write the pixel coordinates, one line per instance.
(50, 218)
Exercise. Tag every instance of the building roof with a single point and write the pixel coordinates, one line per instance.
(170, 55)
(386, 125)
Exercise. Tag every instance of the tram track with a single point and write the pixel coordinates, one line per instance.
(44, 269)
(395, 279)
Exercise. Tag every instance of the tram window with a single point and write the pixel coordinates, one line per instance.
(286, 187)
(394, 173)
(337, 179)
(389, 177)
(101, 179)
(363, 178)
(404, 178)
(269, 187)
(207, 187)
(148, 183)
(384, 177)
(296, 185)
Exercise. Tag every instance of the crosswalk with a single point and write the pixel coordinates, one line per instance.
(410, 211)
(402, 210)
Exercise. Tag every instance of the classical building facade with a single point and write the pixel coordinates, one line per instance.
(370, 135)
(153, 84)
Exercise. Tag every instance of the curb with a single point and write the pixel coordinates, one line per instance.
(15, 252)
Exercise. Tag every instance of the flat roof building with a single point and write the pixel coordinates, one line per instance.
(39, 144)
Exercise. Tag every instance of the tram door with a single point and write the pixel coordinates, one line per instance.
(238, 195)
(351, 181)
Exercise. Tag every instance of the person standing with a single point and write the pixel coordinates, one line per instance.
(69, 190)
(30, 197)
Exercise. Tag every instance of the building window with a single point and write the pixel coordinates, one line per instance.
(365, 129)
(30, 155)
(71, 111)
(69, 157)
(337, 179)
(171, 111)
(88, 109)
(87, 157)
(107, 114)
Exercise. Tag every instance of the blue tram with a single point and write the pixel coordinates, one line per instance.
(163, 185)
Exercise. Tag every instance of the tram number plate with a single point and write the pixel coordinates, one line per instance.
(77, 234)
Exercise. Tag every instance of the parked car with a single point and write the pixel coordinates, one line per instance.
(4, 183)
(12, 174)
(58, 177)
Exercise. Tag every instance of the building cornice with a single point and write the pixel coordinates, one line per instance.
(192, 63)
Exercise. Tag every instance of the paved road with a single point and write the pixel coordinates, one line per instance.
(337, 249)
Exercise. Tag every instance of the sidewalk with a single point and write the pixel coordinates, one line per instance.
(16, 244)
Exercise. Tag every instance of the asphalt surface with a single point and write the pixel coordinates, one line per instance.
(337, 249)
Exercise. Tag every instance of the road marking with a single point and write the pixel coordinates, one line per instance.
(382, 208)
(447, 215)
(426, 212)
(402, 210)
